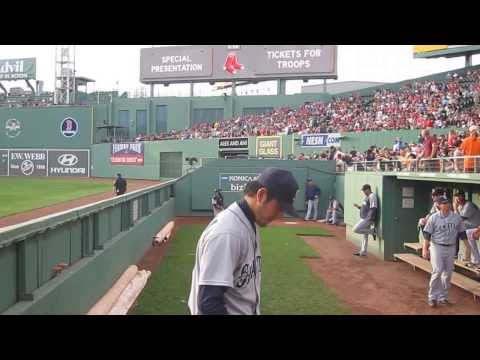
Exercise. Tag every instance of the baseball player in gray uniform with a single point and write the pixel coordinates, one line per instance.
(472, 236)
(435, 193)
(368, 215)
(226, 278)
(440, 233)
(471, 219)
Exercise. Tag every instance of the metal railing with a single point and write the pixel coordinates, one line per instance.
(458, 164)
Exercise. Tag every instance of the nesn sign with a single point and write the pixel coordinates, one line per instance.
(314, 140)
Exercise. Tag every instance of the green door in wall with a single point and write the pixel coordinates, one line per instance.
(171, 164)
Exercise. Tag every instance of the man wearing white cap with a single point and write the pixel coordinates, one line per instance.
(471, 147)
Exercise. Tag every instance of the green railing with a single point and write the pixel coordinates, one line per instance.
(31, 251)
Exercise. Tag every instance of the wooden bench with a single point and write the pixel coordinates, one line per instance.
(464, 267)
(416, 246)
(458, 280)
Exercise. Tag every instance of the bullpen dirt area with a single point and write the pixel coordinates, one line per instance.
(365, 285)
(81, 201)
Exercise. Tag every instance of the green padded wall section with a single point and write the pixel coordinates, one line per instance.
(193, 192)
(41, 128)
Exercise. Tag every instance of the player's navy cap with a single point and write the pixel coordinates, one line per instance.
(442, 200)
(282, 186)
(365, 187)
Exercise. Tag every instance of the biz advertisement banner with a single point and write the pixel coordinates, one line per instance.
(269, 147)
(235, 182)
(28, 162)
(321, 140)
(68, 163)
(127, 154)
(3, 162)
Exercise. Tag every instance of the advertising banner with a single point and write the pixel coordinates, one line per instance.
(28, 162)
(176, 64)
(235, 182)
(127, 154)
(68, 163)
(269, 147)
(233, 143)
(18, 69)
(3, 162)
(321, 140)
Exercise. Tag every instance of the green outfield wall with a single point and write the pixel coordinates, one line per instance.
(193, 192)
(42, 127)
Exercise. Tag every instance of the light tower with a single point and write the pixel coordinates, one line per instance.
(64, 75)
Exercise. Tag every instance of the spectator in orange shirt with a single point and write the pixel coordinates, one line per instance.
(471, 147)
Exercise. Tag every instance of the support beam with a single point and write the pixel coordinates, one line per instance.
(324, 85)
(281, 87)
(152, 88)
(192, 92)
(30, 86)
(468, 60)
(234, 88)
(4, 90)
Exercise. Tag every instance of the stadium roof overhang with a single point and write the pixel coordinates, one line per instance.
(441, 177)
(81, 80)
(450, 52)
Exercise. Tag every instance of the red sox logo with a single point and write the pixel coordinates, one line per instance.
(231, 64)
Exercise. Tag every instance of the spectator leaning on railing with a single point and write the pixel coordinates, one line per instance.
(471, 147)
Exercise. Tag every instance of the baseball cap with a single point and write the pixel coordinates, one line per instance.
(281, 186)
(473, 128)
(442, 200)
(365, 187)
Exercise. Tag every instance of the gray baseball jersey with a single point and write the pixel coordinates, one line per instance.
(369, 202)
(228, 254)
(444, 229)
(471, 215)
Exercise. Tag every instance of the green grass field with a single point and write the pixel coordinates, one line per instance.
(288, 285)
(18, 194)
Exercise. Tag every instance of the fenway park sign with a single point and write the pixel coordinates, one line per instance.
(127, 154)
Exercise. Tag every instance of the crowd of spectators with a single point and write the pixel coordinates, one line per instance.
(452, 152)
(415, 105)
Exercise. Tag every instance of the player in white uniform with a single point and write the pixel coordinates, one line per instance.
(226, 279)
(441, 233)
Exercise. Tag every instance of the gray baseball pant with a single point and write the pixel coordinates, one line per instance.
(475, 255)
(442, 259)
(312, 204)
(364, 227)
